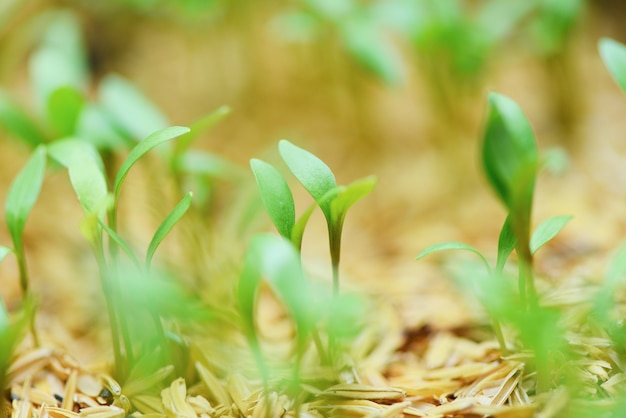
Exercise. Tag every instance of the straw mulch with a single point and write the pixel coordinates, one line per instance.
(390, 371)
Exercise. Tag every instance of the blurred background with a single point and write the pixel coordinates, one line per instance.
(394, 88)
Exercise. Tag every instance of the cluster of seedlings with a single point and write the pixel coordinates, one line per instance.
(83, 137)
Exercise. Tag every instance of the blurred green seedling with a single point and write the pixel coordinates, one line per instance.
(318, 179)
(276, 260)
(86, 172)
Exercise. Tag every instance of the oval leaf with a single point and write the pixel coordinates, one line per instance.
(453, 245)
(510, 154)
(276, 196)
(613, 54)
(23, 194)
(547, 230)
(166, 226)
(311, 172)
(86, 172)
(142, 148)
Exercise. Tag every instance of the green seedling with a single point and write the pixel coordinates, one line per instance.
(318, 179)
(88, 179)
(510, 161)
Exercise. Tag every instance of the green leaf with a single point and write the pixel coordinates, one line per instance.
(453, 245)
(613, 54)
(547, 230)
(311, 172)
(4, 251)
(506, 244)
(276, 196)
(17, 123)
(23, 194)
(64, 107)
(129, 109)
(166, 226)
(199, 127)
(510, 154)
(86, 172)
(141, 149)
(348, 196)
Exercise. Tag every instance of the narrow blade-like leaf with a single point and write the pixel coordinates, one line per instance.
(275, 195)
(142, 148)
(16, 122)
(547, 230)
(613, 54)
(199, 127)
(23, 194)
(311, 172)
(166, 226)
(86, 172)
(453, 245)
(130, 109)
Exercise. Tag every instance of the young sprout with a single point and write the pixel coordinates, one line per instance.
(318, 179)
(510, 161)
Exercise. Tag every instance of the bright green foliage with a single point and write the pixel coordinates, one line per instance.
(316, 177)
(142, 148)
(613, 54)
(131, 111)
(18, 123)
(86, 172)
(121, 243)
(276, 196)
(547, 230)
(166, 226)
(23, 194)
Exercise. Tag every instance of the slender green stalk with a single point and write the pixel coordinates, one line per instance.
(24, 284)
